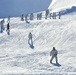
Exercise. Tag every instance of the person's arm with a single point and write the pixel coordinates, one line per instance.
(50, 53)
(56, 52)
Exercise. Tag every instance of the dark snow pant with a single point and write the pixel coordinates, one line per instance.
(30, 41)
(53, 58)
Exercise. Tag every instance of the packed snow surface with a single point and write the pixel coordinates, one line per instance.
(17, 58)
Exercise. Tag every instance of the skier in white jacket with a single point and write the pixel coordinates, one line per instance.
(54, 53)
(30, 39)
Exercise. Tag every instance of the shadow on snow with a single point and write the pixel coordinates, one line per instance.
(56, 64)
(31, 46)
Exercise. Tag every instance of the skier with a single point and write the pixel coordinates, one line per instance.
(30, 39)
(1, 30)
(54, 53)
(2, 26)
(8, 29)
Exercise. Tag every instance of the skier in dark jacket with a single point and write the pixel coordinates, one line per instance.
(8, 26)
(2, 26)
(8, 29)
(54, 53)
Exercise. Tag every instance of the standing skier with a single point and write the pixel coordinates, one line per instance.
(8, 29)
(54, 53)
(30, 39)
(2, 26)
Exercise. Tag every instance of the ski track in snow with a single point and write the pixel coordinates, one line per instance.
(17, 58)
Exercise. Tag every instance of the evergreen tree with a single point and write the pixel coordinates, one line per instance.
(31, 16)
(54, 15)
(26, 17)
(50, 15)
(22, 17)
(39, 16)
(59, 15)
(46, 14)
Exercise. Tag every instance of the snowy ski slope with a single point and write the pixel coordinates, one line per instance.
(16, 56)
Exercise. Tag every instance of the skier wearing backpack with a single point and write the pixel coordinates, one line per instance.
(54, 53)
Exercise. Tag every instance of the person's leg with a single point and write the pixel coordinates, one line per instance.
(51, 59)
(8, 32)
(28, 41)
(31, 42)
(1, 29)
(56, 59)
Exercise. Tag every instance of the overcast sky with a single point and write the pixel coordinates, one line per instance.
(17, 7)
